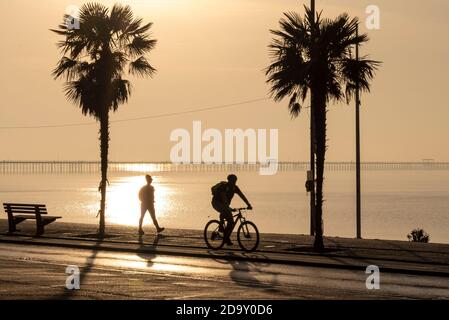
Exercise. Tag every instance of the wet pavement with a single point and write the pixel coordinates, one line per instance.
(394, 256)
(39, 272)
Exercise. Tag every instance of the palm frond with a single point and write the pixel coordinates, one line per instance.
(121, 91)
(141, 67)
(120, 18)
(142, 30)
(140, 45)
(119, 61)
(359, 72)
(85, 95)
(65, 66)
(294, 106)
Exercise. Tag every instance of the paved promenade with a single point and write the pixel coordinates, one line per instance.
(390, 256)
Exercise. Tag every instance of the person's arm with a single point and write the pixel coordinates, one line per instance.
(242, 196)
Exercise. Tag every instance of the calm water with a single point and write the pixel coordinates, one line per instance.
(394, 202)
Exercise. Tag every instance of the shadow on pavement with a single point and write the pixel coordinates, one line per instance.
(150, 248)
(244, 272)
(84, 271)
(307, 249)
(418, 256)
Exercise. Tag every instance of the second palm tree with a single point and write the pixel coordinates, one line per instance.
(313, 57)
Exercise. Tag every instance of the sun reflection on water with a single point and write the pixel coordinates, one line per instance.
(123, 205)
(140, 167)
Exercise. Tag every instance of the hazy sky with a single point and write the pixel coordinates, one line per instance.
(213, 52)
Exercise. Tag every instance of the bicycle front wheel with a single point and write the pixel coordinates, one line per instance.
(248, 236)
(213, 235)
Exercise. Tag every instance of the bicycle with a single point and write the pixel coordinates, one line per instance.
(247, 232)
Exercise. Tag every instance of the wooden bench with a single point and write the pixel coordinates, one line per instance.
(36, 212)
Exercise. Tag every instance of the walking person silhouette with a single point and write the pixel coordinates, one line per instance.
(146, 197)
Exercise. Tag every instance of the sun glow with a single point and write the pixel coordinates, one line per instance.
(123, 206)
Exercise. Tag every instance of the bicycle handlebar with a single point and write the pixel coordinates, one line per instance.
(241, 209)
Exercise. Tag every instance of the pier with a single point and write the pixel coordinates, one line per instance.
(50, 167)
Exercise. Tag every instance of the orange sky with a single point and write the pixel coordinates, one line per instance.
(212, 52)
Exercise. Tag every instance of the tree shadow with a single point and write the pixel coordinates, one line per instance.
(84, 271)
(412, 253)
(312, 250)
(146, 252)
(407, 255)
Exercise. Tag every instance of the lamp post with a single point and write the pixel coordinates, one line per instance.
(357, 149)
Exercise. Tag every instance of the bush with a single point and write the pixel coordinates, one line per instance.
(418, 235)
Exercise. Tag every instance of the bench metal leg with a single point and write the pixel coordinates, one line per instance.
(39, 228)
(12, 223)
(11, 226)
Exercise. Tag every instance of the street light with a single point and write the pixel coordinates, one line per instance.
(357, 148)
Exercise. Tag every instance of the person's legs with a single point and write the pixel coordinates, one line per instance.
(143, 210)
(153, 217)
(227, 215)
(219, 207)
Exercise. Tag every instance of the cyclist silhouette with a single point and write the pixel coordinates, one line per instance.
(223, 193)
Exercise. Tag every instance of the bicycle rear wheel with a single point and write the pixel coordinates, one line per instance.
(248, 236)
(213, 236)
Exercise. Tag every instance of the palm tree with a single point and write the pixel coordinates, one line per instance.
(95, 57)
(313, 57)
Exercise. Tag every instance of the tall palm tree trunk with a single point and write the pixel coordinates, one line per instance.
(320, 138)
(104, 149)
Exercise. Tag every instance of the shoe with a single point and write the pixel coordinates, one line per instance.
(141, 232)
(160, 230)
(229, 243)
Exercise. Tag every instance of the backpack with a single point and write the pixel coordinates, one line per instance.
(218, 187)
(142, 194)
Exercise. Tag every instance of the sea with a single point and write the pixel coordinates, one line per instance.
(393, 201)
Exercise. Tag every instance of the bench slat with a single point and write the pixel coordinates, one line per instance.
(23, 205)
(34, 218)
(25, 208)
(28, 212)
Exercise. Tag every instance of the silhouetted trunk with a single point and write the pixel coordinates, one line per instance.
(105, 88)
(320, 140)
(104, 148)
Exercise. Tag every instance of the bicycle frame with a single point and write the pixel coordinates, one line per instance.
(239, 217)
(247, 230)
